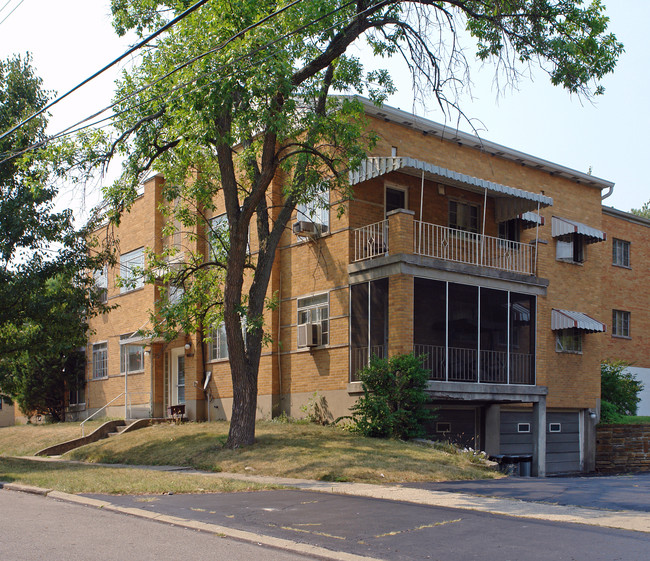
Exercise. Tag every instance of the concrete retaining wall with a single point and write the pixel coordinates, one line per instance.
(622, 448)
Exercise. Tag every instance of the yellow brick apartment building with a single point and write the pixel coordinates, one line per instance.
(491, 264)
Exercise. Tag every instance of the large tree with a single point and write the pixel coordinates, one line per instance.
(241, 93)
(45, 288)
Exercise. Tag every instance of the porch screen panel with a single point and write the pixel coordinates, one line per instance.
(463, 333)
(494, 336)
(379, 317)
(368, 323)
(522, 338)
(429, 325)
(358, 328)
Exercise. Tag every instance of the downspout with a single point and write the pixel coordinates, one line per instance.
(279, 330)
(421, 205)
(483, 226)
(536, 238)
(611, 190)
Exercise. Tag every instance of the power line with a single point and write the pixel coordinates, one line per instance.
(109, 65)
(71, 129)
(12, 11)
(6, 4)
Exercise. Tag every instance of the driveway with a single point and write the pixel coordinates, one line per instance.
(610, 492)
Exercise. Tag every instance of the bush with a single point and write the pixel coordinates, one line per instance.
(394, 400)
(608, 413)
(619, 389)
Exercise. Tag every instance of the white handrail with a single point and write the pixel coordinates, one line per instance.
(98, 410)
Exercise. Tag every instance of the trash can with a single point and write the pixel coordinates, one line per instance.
(525, 465)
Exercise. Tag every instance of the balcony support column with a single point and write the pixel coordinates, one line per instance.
(539, 437)
(400, 231)
(400, 314)
(493, 429)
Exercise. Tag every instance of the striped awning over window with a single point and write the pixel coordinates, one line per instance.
(565, 319)
(561, 227)
(531, 220)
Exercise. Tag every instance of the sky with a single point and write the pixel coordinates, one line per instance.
(72, 39)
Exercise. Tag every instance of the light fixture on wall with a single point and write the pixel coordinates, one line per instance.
(188, 346)
(441, 189)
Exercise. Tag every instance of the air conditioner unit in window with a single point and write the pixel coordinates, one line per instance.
(309, 229)
(309, 335)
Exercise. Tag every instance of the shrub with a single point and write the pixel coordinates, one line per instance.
(394, 400)
(619, 388)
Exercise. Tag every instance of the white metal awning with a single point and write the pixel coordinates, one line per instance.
(561, 227)
(531, 219)
(510, 201)
(565, 319)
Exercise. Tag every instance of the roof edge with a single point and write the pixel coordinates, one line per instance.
(426, 126)
(624, 215)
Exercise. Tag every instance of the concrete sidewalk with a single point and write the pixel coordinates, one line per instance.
(621, 519)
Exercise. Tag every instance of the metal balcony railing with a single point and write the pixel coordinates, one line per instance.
(465, 367)
(371, 241)
(450, 244)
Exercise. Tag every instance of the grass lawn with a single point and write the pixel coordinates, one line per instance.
(296, 450)
(631, 420)
(26, 440)
(82, 478)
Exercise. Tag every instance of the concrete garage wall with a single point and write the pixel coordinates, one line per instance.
(622, 448)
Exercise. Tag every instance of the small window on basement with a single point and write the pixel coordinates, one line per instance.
(555, 427)
(523, 427)
(443, 427)
(568, 341)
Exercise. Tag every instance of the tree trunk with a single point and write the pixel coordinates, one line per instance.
(242, 423)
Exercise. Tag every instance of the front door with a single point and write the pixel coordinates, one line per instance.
(177, 389)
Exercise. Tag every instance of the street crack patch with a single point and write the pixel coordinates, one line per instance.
(423, 527)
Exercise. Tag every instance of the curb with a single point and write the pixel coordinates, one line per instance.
(221, 531)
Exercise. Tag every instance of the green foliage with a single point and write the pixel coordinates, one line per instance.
(644, 211)
(241, 94)
(619, 390)
(45, 288)
(394, 400)
(316, 410)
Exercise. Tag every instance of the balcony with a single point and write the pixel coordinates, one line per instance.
(448, 244)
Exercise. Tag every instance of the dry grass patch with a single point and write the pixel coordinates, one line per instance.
(84, 478)
(26, 440)
(289, 450)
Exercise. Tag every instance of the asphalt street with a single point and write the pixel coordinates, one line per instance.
(36, 528)
(612, 492)
(385, 529)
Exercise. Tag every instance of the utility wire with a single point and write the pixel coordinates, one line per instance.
(71, 129)
(109, 65)
(6, 4)
(176, 69)
(7, 16)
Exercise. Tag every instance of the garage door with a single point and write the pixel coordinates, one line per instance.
(562, 442)
(562, 438)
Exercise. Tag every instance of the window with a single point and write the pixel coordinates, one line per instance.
(131, 356)
(620, 323)
(218, 347)
(219, 237)
(100, 360)
(101, 283)
(395, 198)
(523, 427)
(131, 266)
(463, 216)
(217, 343)
(510, 230)
(443, 427)
(571, 249)
(555, 427)
(620, 253)
(316, 210)
(568, 341)
(175, 294)
(315, 309)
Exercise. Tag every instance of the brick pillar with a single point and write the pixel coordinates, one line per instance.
(400, 231)
(400, 314)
